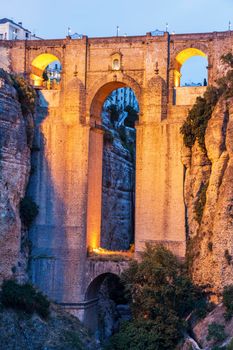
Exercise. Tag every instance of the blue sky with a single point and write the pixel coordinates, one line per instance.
(50, 19)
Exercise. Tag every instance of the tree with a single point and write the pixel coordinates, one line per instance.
(132, 116)
(161, 296)
(114, 113)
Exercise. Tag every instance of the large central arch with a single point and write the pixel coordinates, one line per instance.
(95, 103)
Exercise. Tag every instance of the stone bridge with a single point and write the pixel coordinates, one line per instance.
(67, 181)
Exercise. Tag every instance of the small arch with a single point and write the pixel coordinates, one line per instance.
(46, 71)
(181, 58)
(94, 286)
(91, 297)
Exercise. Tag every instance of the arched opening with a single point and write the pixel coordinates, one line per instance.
(191, 68)
(46, 71)
(110, 224)
(107, 305)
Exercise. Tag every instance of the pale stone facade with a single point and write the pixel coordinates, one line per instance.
(68, 180)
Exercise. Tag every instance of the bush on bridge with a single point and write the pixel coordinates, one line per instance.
(161, 296)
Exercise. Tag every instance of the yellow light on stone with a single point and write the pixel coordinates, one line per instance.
(181, 58)
(38, 66)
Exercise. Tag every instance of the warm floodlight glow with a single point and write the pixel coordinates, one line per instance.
(43, 60)
(181, 58)
(177, 76)
(184, 55)
(38, 66)
(94, 241)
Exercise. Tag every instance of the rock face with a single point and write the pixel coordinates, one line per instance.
(60, 331)
(117, 193)
(14, 172)
(210, 245)
(200, 331)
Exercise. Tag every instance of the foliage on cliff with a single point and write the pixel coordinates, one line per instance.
(24, 297)
(162, 296)
(195, 125)
(27, 99)
(26, 94)
(20, 329)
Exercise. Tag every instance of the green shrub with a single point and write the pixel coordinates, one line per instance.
(73, 339)
(114, 113)
(216, 332)
(122, 135)
(26, 94)
(230, 345)
(28, 211)
(228, 301)
(161, 296)
(27, 99)
(24, 297)
(195, 125)
(146, 334)
(200, 203)
(132, 116)
(196, 122)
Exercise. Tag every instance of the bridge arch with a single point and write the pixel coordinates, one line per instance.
(102, 88)
(92, 296)
(181, 57)
(39, 75)
(97, 96)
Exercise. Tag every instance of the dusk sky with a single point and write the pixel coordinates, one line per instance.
(50, 19)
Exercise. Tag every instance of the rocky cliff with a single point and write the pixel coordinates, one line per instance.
(209, 201)
(14, 173)
(60, 331)
(117, 228)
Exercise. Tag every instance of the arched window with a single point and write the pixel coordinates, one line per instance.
(191, 68)
(46, 71)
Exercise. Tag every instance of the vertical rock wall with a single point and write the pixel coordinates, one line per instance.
(117, 227)
(14, 172)
(211, 240)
